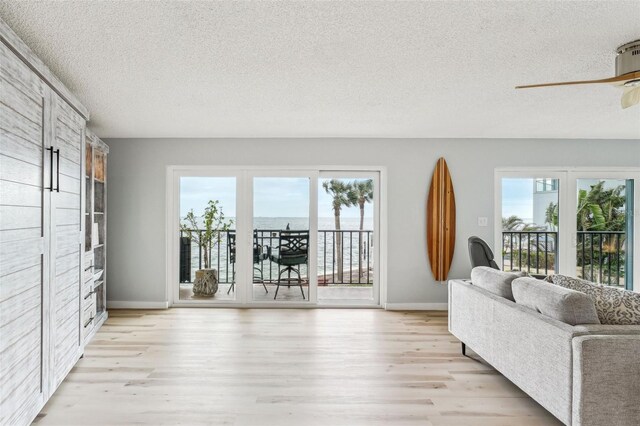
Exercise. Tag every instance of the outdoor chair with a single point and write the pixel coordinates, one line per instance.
(480, 253)
(259, 255)
(293, 251)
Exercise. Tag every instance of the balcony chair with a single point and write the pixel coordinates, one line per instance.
(480, 253)
(259, 255)
(293, 251)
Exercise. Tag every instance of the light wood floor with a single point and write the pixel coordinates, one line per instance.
(284, 367)
(287, 294)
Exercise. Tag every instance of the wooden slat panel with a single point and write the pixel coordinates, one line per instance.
(16, 194)
(69, 150)
(18, 255)
(67, 242)
(68, 138)
(12, 309)
(30, 341)
(20, 234)
(20, 102)
(66, 360)
(68, 217)
(70, 185)
(67, 324)
(22, 117)
(13, 284)
(69, 290)
(66, 279)
(67, 114)
(15, 217)
(66, 263)
(12, 122)
(19, 171)
(69, 168)
(66, 348)
(26, 389)
(14, 330)
(22, 149)
(16, 73)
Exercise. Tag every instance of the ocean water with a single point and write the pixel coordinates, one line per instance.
(355, 256)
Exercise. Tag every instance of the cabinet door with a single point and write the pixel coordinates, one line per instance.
(68, 131)
(23, 230)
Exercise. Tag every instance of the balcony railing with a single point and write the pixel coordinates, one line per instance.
(531, 251)
(601, 255)
(355, 253)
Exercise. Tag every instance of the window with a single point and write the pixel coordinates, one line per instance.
(576, 222)
(272, 236)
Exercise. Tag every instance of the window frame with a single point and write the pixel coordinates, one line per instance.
(567, 200)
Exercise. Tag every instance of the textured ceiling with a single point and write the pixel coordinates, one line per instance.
(336, 69)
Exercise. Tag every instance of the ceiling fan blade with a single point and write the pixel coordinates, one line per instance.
(621, 79)
(630, 97)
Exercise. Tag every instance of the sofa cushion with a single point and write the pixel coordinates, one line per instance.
(569, 306)
(614, 306)
(495, 281)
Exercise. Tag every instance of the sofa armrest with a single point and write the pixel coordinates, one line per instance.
(606, 380)
(605, 329)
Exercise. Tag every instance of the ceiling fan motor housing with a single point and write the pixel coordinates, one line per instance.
(628, 58)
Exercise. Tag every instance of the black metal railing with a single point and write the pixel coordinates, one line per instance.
(343, 257)
(532, 251)
(600, 257)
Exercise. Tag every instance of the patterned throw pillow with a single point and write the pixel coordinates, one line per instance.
(614, 306)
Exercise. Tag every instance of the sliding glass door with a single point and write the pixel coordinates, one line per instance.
(604, 234)
(207, 208)
(530, 223)
(575, 222)
(283, 228)
(273, 236)
(347, 237)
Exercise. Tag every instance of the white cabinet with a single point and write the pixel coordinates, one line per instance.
(24, 229)
(42, 198)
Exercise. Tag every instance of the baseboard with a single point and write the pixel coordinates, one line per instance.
(416, 306)
(115, 304)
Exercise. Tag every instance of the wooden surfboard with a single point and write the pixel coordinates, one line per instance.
(441, 221)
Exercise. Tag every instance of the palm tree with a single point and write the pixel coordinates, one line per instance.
(514, 223)
(340, 193)
(361, 192)
(603, 210)
(551, 216)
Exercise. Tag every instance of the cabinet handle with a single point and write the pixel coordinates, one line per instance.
(89, 294)
(58, 169)
(88, 322)
(86, 269)
(50, 188)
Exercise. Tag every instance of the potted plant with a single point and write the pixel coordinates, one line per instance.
(207, 237)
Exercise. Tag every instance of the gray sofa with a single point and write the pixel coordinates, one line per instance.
(585, 375)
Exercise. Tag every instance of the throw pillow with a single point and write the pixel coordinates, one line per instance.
(569, 306)
(495, 281)
(614, 306)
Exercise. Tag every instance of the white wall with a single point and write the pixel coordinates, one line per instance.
(136, 191)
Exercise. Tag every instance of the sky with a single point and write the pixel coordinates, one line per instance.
(273, 197)
(517, 198)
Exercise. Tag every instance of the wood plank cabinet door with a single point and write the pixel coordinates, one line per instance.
(24, 107)
(66, 266)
